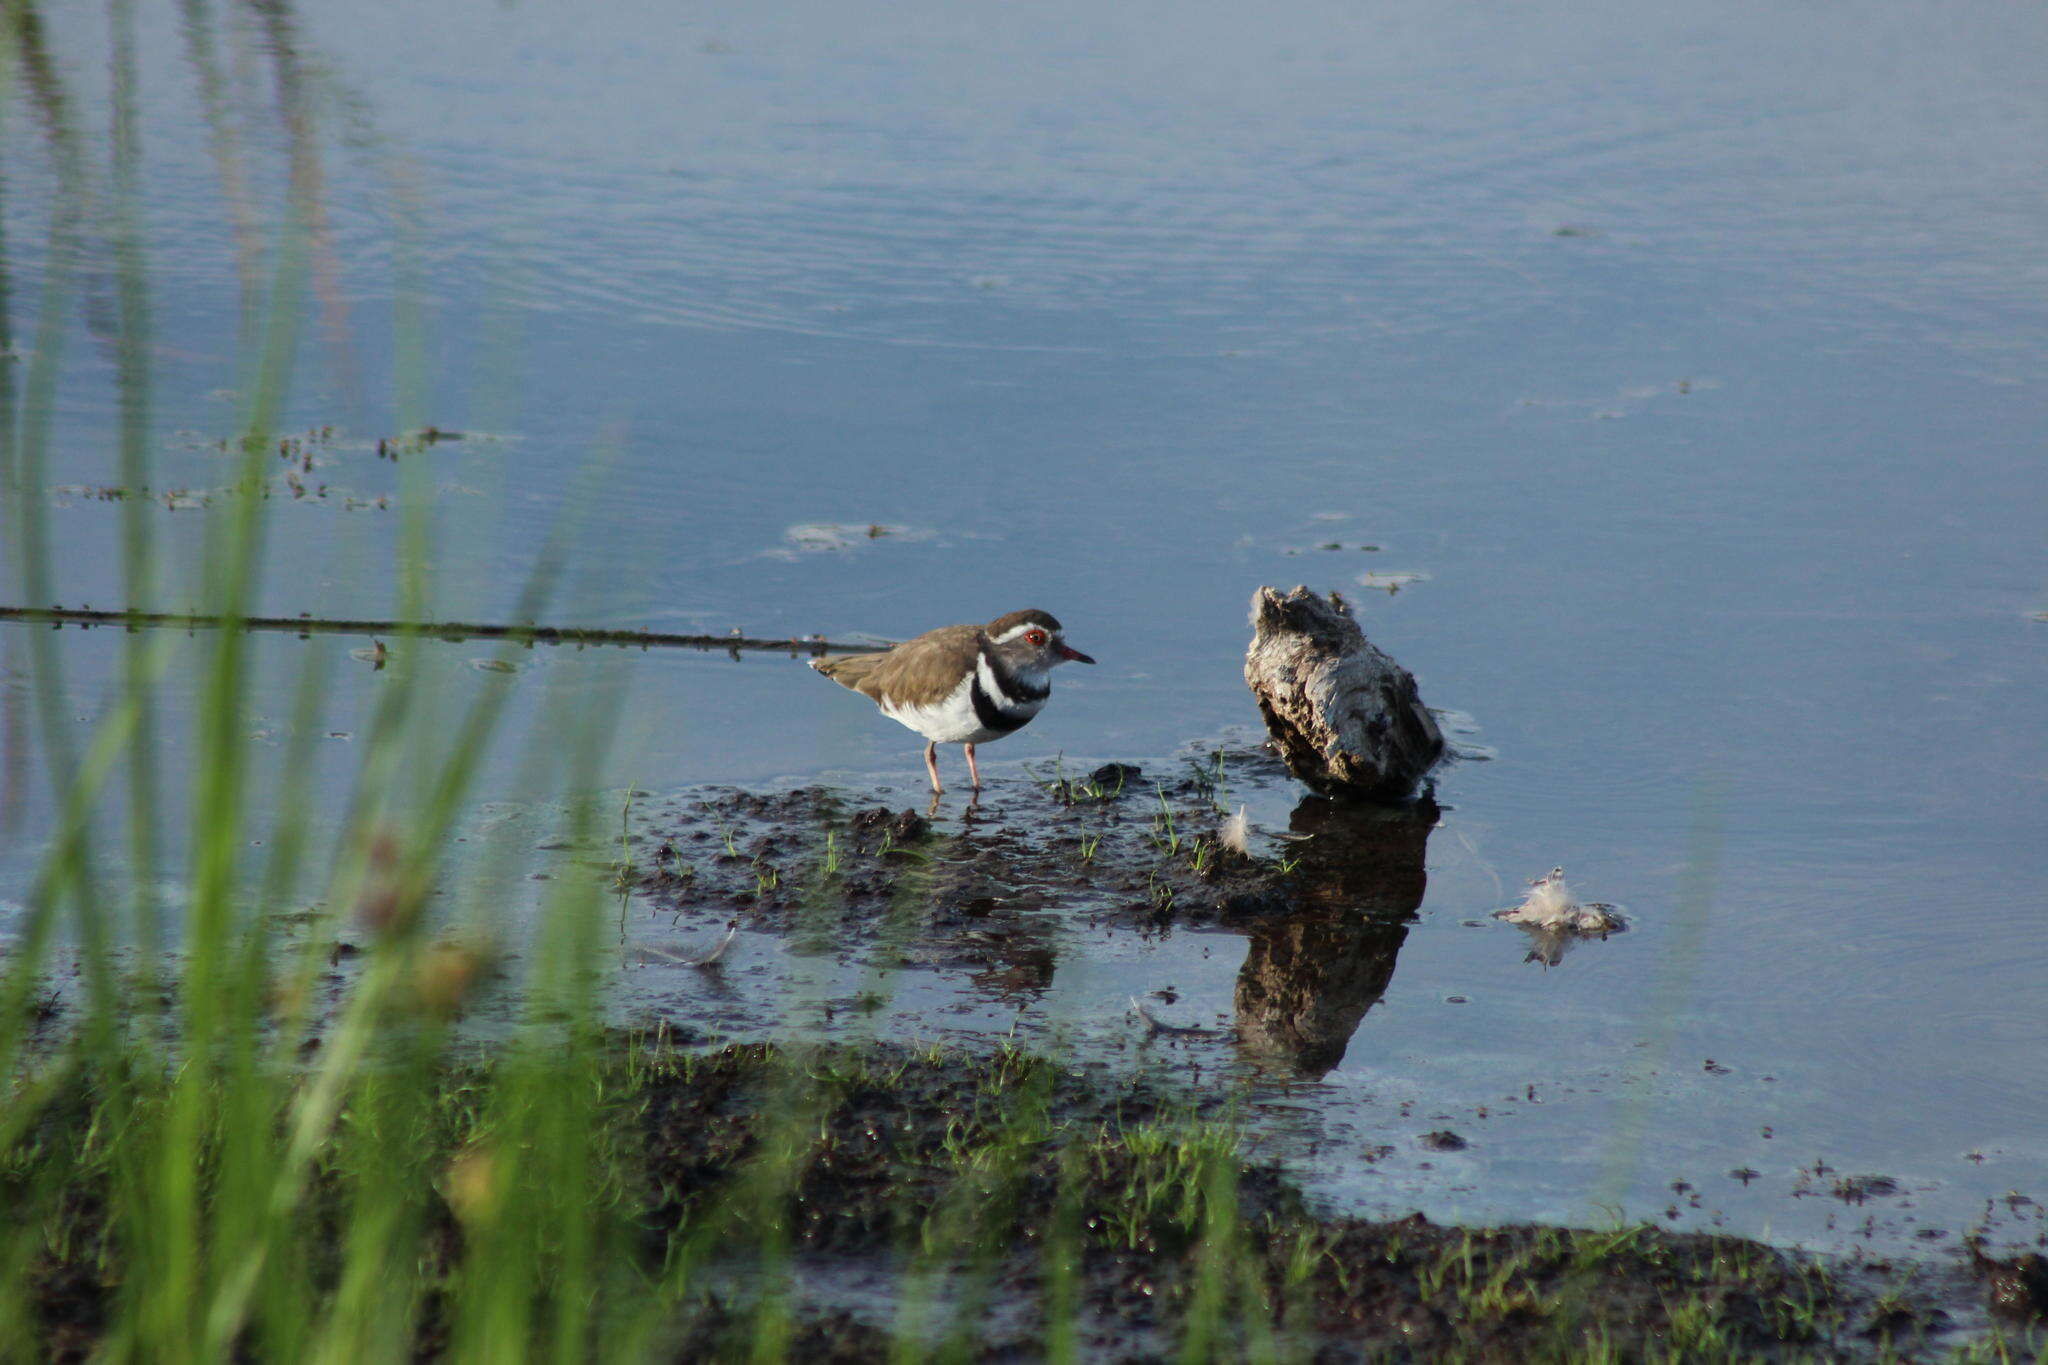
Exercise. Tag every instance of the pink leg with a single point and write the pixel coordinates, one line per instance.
(973, 772)
(931, 765)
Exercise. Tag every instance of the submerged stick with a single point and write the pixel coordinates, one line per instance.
(438, 630)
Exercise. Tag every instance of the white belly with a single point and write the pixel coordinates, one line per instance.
(954, 720)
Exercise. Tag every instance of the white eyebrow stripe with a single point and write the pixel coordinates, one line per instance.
(1014, 631)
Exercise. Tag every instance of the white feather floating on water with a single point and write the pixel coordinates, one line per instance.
(1549, 905)
(1154, 1024)
(668, 957)
(1235, 834)
(712, 958)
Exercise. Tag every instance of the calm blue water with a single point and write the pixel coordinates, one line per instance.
(1692, 357)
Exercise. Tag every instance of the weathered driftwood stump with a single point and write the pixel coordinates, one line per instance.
(1346, 718)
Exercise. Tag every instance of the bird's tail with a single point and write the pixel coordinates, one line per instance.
(846, 669)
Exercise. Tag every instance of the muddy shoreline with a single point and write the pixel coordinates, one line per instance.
(1037, 1180)
(1325, 903)
(847, 1194)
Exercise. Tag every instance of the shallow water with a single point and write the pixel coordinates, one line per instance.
(1687, 361)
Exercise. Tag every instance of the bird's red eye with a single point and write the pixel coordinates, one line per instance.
(1036, 637)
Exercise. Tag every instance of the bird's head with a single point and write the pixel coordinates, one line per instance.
(1031, 641)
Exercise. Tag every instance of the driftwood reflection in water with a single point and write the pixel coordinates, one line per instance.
(1311, 975)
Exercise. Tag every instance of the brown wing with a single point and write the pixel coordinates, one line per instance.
(914, 673)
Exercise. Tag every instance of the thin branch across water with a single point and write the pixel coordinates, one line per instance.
(86, 617)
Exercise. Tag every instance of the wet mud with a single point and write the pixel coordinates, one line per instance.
(988, 887)
(1340, 1289)
(1324, 903)
(1033, 1178)
(1073, 1178)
